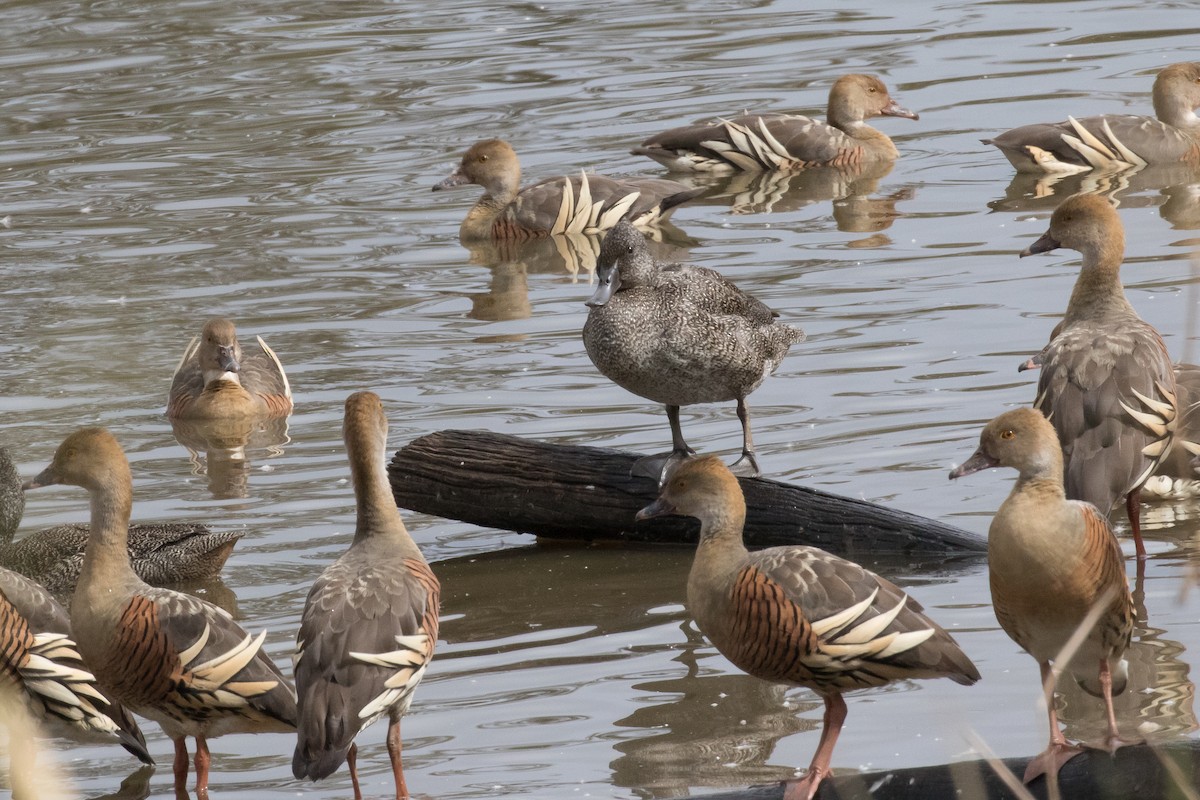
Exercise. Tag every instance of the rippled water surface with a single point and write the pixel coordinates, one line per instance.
(163, 163)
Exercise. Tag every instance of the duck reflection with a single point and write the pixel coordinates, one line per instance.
(855, 210)
(1173, 188)
(707, 725)
(226, 445)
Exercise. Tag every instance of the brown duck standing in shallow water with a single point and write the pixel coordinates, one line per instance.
(370, 622)
(1106, 383)
(1115, 141)
(41, 662)
(168, 656)
(217, 379)
(587, 204)
(798, 615)
(161, 553)
(678, 334)
(756, 142)
(1051, 561)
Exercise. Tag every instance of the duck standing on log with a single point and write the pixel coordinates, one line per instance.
(679, 334)
(798, 615)
(370, 622)
(584, 204)
(1115, 141)
(1106, 383)
(1054, 565)
(216, 379)
(756, 142)
(168, 656)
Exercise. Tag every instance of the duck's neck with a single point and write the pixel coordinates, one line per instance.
(721, 528)
(1098, 289)
(106, 559)
(1175, 111)
(377, 514)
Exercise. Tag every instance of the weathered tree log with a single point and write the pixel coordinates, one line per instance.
(586, 493)
(1134, 772)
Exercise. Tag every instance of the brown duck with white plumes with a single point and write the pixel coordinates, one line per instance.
(1115, 141)
(755, 142)
(1106, 382)
(679, 334)
(168, 656)
(1051, 561)
(40, 661)
(217, 379)
(370, 622)
(798, 615)
(161, 553)
(567, 204)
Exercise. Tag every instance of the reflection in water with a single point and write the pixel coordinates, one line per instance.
(850, 189)
(1173, 188)
(704, 725)
(226, 444)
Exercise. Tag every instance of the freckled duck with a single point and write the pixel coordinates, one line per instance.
(566, 204)
(1050, 562)
(370, 622)
(679, 334)
(1106, 382)
(756, 142)
(164, 553)
(216, 379)
(1115, 141)
(798, 615)
(39, 659)
(168, 656)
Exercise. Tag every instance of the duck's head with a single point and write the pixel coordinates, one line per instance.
(220, 355)
(855, 98)
(624, 258)
(491, 164)
(1177, 94)
(89, 457)
(1083, 222)
(701, 487)
(1022, 439)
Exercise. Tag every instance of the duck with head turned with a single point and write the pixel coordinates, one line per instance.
(799, 615)
(679, 334)
(1106, 381)
(757, 142)
(588, 204)
(168, 656)
(370, 622)
(40, 661)
(1052, 562)
(1116, 141)
(216, 379)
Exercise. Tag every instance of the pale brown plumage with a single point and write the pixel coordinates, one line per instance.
(680, 334)
(799, 615)
(755, 142)
(1106, 383)
(178, 660)
(586, 203)
(370, 622)
(1051, 561)
(41, 662)
(1116, 141)
(217, 379)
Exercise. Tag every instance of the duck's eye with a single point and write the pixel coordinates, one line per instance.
(1008, 434)
(629, 249)
(483, 158)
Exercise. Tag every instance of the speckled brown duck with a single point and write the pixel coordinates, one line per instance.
(755, 142)
(1106, 382)
(679, 334)
(217, 379)
(585, 203)
(798, 615)
(1115, 141)
(168, 656)
(161, 554)
(370, 622)
(1051, 561)
(40, 661)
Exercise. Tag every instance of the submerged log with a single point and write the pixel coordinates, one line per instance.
(1145, 772)
(587, 494)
